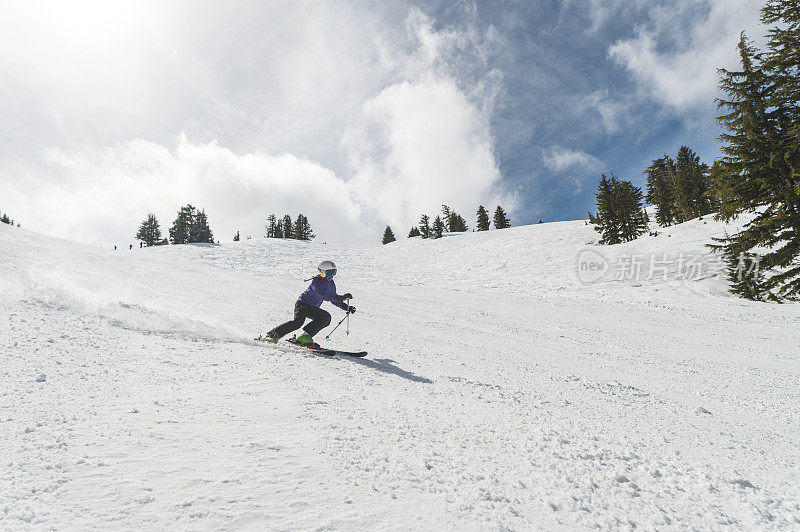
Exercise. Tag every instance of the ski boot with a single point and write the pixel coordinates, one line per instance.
(306, 340)
(267, 338)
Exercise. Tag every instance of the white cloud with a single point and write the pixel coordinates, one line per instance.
(675, 56)
(117, 186)
(559, 159)
(576, 165)
(612, 114)
(600, 12)
(421, 145)
(423, 141)
(375, 125)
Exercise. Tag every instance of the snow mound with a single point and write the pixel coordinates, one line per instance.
(524, 378)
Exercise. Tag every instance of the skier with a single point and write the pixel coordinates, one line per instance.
(322, 288)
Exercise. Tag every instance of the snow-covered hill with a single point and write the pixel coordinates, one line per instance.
(500, 390)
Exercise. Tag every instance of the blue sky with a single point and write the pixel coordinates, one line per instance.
(567, 91)
(357, 114)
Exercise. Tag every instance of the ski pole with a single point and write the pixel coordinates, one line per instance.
(337, 326)
(348, 316)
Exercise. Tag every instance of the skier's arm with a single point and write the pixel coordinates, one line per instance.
(319, 288)
(342, 302)
(339, 302)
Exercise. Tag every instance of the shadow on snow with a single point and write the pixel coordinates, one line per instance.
(386, 365)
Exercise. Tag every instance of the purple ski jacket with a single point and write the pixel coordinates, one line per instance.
(321, 290)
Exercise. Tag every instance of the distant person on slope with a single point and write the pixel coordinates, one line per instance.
(322, 288)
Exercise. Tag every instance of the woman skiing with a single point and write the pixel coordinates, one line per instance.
(322, 288)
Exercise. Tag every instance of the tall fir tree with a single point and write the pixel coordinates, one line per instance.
(271, 227)
(181, 229)
(723, 194)
(446, 217)
(414, 232)
(388, 235)
(302, 228)
(620, 216)
(457, 223)
(783, 60)
(661, 190)
(200, 231)
(760, 168)
(634, 217)
(693, 184)
(279, 229)
(483, 219)
(453, 222)
(424, 226)
(150, 231)
(287, 227)
(437, 229)
(746, 277)
(501, 220)
(606, 220)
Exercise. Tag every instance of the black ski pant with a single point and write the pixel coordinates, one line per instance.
(319, 320)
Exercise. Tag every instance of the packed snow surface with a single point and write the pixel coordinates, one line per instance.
(499, 391)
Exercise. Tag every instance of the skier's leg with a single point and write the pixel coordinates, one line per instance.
(319, 320)
(300, 313)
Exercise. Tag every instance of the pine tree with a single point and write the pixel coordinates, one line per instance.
(483, 219)
(200, 231)
(150, 231)
(308, 233)
(760, 168)
(4, 218)
(271, 227)
(388, 235)
(661, 190)
(681, 208)
(452, 221)
(746, 277)
(236, 237)
(438, 227)
(414, 232)
(634, 217)
(457, 223)
(181, 228)
(783, 59)
(606, 221)
(501, 220)
(279, 229)
(620, 217)
(424, 226)
(302, 228)
(693, 184)
(287, 227)
(724, 195)
(446, 217)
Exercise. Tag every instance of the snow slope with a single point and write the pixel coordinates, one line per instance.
(500, 391)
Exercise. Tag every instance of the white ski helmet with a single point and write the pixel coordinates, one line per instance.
(327, 266)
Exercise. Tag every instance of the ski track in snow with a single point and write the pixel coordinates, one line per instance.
(498, 391)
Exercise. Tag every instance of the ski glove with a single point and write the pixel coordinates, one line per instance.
(348, 295)
(351, 309)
